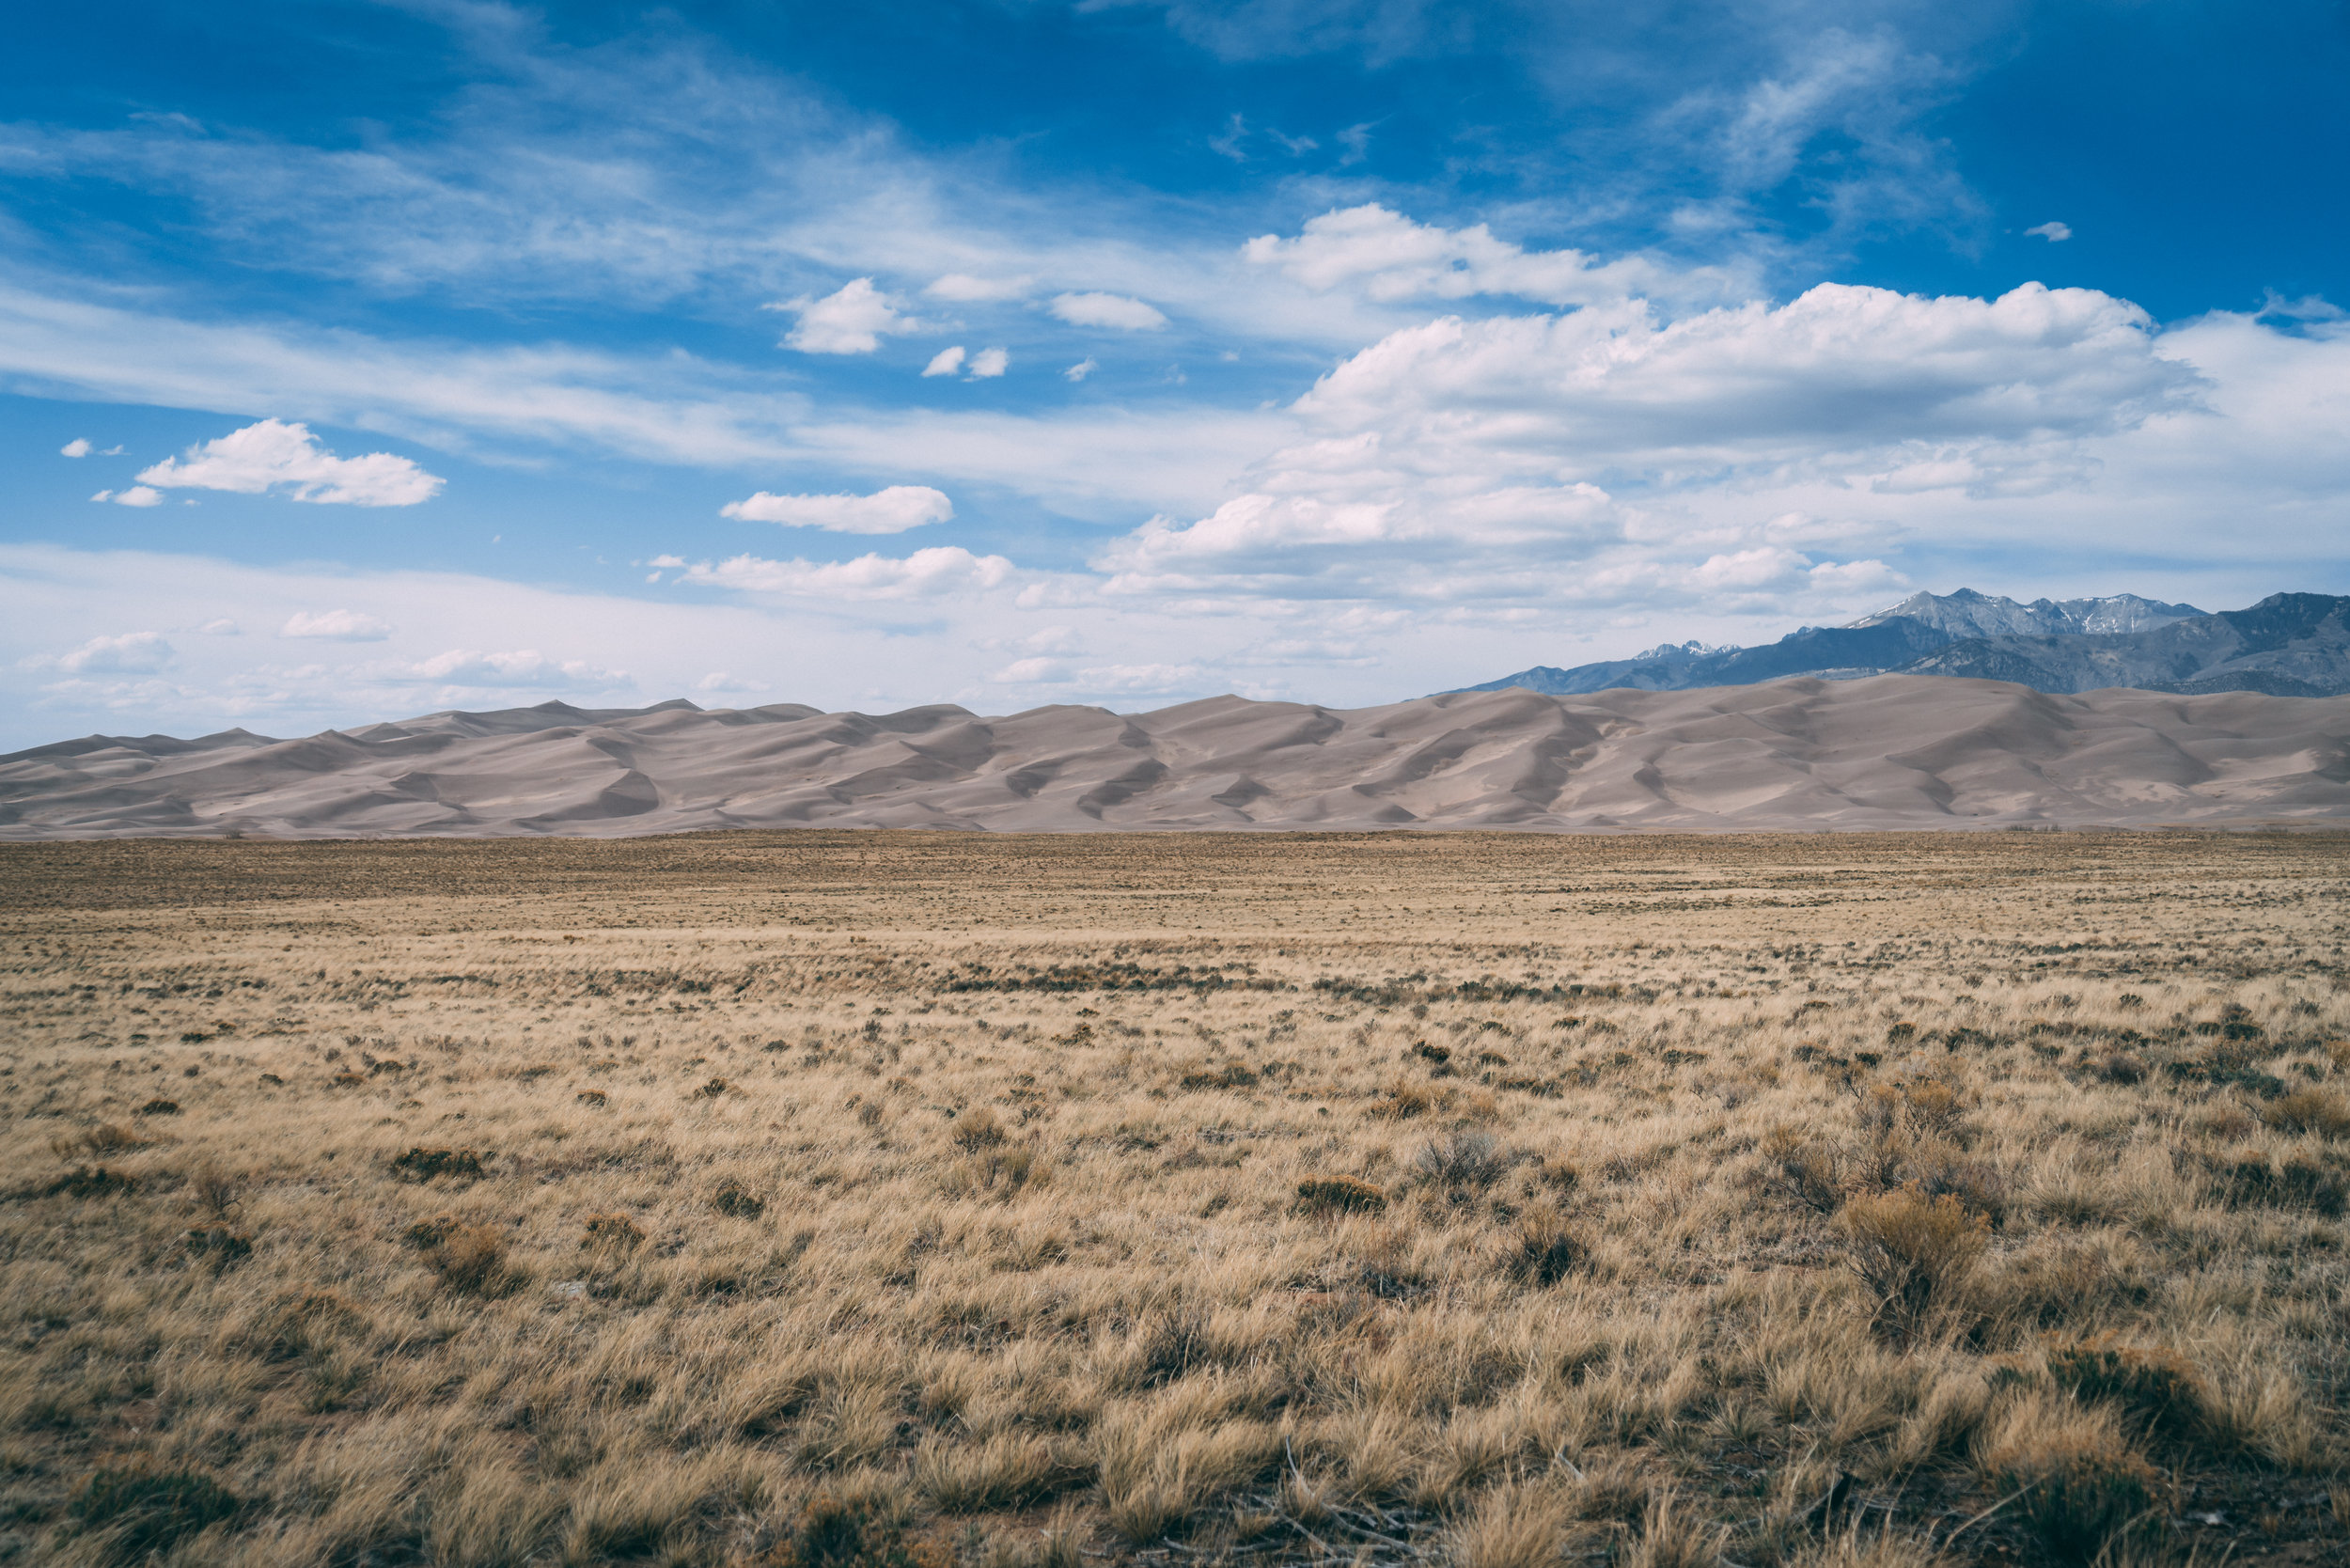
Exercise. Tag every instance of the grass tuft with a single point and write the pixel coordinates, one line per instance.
(421, 1164)
(1340, 1194)
(1913, 1251)
(147, 1513)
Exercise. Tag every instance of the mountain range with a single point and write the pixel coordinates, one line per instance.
(1891, 751)
(2287, 645)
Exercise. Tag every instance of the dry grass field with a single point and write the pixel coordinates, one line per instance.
(896, 1200)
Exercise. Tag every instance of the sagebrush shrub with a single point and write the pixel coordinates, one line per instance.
(219, 1245)
(150, 1512)
(2310, 1110)
(1543, 1250)
(838, 1533)
(612, 1232)
(1808, 1169)
(472, 1259)
(733, 1197)
(1400, 1102)
(428, 1233)
(1466, 1159)
(978, 1128)
(1347, 1194)
(422, 1163)
(1913, 1251)
(90, 1182)
(2157, 1386)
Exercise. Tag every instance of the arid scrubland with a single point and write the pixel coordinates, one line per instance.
(917, 1201)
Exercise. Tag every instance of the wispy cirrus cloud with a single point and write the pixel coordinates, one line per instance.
(939, 569)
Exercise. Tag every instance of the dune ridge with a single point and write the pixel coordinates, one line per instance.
(1892, 752)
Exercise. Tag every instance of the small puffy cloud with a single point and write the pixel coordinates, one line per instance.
(75, 449)
(941, 569)
(1387, 257)
(963, 288)
(2053, 232)
(223, 627)
(335, 626)
(132, 653)
(988, 363)
(852, 319)
(1032, 672)
(1107, 311)
(1083, 368)
(138, 495)
(521, 667)
(946, 361)
(719, 681)
(276, 455)
(886, 511)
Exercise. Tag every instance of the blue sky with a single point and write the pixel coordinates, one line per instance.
(358, 360)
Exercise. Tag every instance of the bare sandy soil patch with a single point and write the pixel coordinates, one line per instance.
(919, 1200)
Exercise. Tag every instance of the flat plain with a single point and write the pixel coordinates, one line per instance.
(918, 1201)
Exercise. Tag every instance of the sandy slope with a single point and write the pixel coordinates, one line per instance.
(1892, 752)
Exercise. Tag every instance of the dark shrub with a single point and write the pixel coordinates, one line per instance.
(1340, 1194)
(733, 1197)
(90, 1182)
(424, 1164)
(1466, 1159)
(150, 1512)
(219, 1245)
(1543, 1251)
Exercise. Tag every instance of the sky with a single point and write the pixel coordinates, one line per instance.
(362, 360)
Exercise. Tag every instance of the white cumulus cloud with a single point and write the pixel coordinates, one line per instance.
(138, 495)
(335, 626)
(2053, 232)
(1386, 257)
(724, 681)
(1107, 311)
(852, 319)
(273, 454)
(941, 569)
(525, 667)
(892, 510)
(988, 363)
(1083, 368)
(1470, 460)
(946, 361)
(1032, 672)
(76, 447)
(130, 653)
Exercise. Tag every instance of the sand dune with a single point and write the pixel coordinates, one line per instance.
(1891, 752)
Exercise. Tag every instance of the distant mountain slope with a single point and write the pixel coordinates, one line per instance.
(1888, 752)
(1968, 614)
(2288, 645)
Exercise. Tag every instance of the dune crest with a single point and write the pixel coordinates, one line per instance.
(1889, 752)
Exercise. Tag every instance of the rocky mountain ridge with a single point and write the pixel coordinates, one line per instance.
(2287, 645)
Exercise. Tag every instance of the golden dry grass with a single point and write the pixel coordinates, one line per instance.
(873, 1199)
